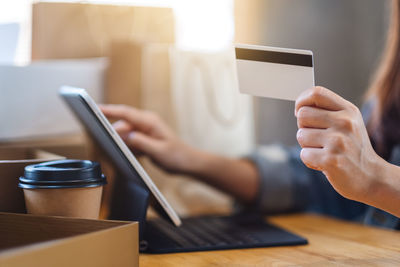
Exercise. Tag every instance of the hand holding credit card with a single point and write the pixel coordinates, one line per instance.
(274, 72)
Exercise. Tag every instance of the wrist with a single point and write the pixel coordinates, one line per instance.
(196, 162)
(202, 164)
(189, 160)
(377, 181)
(385, 190)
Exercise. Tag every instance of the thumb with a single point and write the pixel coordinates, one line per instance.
(143, 143)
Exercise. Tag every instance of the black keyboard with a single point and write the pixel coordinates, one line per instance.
(215, 233)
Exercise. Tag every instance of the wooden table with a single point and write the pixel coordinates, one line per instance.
(331, 243)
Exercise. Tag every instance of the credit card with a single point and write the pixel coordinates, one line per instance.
(274, 72)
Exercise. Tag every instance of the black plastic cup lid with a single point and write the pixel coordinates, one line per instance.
(62, 174)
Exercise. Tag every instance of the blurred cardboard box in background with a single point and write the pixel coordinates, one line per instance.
(76, 30)
(31, 101)
(123, 80)
(70, 146)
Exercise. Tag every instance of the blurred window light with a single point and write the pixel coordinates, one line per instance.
(204, 24)
(19, 11)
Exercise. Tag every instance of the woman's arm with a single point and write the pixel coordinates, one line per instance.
(144, 132)
(335, 141)
(385, 192)
(238, 177)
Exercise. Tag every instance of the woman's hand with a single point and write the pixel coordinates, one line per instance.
(146, 133)
(335, 141)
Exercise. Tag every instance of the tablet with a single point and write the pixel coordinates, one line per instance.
(102, 131)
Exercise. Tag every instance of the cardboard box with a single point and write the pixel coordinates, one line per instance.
(75, 146)
(123, 80)
(45, 114)
(28, 240)
(12, 163)
(77, 30)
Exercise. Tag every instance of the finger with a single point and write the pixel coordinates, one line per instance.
(312, 138)
(313, 158)
(123, 129)
(311, 117)
(139, 119)
(143, 143)
(320, 97)
(122, 126)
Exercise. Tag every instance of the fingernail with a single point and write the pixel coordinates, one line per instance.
(131, 135)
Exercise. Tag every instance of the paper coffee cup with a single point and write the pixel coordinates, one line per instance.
(70, 188)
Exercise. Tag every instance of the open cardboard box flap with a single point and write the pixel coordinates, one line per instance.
(28, 240)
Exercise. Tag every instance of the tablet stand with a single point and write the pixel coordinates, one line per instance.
(129, 202)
